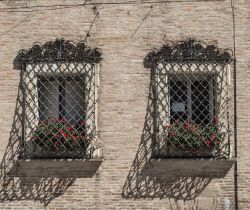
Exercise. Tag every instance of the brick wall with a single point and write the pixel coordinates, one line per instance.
(125, 33)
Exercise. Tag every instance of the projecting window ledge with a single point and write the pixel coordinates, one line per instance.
(60, 168)
(208, 168)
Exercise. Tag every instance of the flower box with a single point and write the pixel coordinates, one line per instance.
(186, 139)
(57, 138)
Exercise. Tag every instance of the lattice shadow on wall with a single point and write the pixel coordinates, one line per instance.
(42, 66)
(23, 188)
(139, 186)
(171, 183)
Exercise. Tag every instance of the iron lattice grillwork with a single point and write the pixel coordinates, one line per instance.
(59, 86)
(191, 86)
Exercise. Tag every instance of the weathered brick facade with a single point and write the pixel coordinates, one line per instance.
(125, 31)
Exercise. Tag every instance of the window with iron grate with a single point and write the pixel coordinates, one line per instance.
(60, 104)
(58, 81)
(192, 100)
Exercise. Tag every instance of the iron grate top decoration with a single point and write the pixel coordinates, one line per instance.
(58, 50)
(192, 101)
(59, 100)
(188, 50)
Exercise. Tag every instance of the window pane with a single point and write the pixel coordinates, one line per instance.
(178, 99)
(48, 94)
(200, 101)
(74, 100)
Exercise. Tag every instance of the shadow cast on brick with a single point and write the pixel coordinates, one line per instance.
(139, 185)
(43, 189)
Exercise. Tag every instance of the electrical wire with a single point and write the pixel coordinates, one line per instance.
(67, 6)
(143, 19)
(16, 25)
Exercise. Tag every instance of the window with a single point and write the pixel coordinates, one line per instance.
(59, 109)
(62, 97)
(59, 88)
(192, 100)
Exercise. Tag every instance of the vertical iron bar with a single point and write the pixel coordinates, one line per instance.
(93, 68)
(23, 111)
(154, 86)
(62, 95)
(94, 89)
(189, 99)
(228, 114)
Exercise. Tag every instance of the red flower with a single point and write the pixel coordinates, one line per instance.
(62, 132)
(187, 125)
(209, 143)
(69, 129)
(57, 143)
(216, 120)
(213, 137)
(66, 135)
(172, 133)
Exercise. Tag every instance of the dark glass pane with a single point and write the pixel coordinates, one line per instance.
(178, 100)
(48, 94)
(200, 101)
(74, 100)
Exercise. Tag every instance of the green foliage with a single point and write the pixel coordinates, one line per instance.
(193, 138)
(58, 134)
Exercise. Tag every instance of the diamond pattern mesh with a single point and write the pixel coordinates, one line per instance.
(60, 103)
(192, 109)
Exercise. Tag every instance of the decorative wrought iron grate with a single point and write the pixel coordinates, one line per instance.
(192, 100)
(59, 86)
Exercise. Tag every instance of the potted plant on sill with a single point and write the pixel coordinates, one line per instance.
(188, 139)
(57, 138)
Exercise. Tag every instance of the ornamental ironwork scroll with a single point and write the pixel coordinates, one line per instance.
(193, 106)
(59, 88)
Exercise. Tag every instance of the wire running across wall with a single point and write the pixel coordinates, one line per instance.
(37, 8)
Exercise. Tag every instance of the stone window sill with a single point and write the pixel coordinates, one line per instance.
(210, 168)
(61, 168)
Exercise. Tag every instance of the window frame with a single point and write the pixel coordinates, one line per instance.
(62, 81)
(189, 79)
